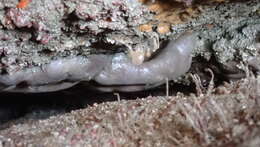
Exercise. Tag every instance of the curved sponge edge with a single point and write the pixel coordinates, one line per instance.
(173, 61)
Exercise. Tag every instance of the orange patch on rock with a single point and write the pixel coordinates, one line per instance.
(23, 4)
(163, 28)
(170, 13)
(146, 28)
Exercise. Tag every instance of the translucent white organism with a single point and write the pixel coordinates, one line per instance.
(173, 61)
(116, 72)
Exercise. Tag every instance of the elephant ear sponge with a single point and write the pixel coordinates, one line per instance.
(173, 61)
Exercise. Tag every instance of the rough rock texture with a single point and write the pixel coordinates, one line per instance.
(226, 116)
(228, 32)
(46, 29)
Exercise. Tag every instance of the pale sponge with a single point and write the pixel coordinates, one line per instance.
(173, 61)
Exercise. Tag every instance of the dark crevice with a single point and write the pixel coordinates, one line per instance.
(17, 105)
(107, 48)
(70, 19)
